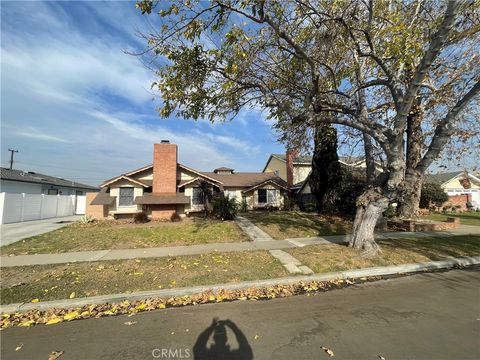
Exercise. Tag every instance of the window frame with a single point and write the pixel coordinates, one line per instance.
(258, 196)
(120, 196)
(198, 196)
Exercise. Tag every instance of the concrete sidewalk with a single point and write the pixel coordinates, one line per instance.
(11, 233)
(122, 254)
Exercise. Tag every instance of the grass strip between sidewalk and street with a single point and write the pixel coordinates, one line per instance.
(105, 235)
(334, 257)
(51, 282)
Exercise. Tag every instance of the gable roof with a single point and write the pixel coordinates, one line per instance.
(243, 179)
(442, 178)
(271, 181)
(297, 160)
(37, 178)
(127, 178)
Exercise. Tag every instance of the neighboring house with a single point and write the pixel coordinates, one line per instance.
(167, 187)
(295, 169)
(29, 182)
(458, 183)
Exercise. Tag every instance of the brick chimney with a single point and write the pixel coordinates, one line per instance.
(290, 155)
(164, 168)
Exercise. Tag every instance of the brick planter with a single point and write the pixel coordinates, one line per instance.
(416, 225)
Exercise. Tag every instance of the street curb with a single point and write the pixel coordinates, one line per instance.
(167, 293)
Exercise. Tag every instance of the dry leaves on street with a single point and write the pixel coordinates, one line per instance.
(19, 347)
(58, 315)
(55, 355)
(129, 323)
(328, 351)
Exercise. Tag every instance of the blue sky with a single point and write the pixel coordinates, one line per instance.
(76, 106)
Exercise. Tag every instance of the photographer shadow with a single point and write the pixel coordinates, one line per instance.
(219, 349)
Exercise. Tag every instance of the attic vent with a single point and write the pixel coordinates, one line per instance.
(165, 142)
(31, 172)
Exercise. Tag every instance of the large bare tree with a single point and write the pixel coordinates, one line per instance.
(361, 64)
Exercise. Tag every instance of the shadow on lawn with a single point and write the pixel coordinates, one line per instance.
(291, 221)
(436, 248)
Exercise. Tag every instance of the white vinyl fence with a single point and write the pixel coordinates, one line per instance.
(25, 207)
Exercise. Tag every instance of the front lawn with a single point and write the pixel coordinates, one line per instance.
(118, 235)
(294, 224)
(466, 218)
(50, 282)
(327, 258)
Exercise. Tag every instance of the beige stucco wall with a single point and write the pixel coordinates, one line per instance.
(455, 184)
(252, 196)
(274, 164)
(300, 172)
(114, 191)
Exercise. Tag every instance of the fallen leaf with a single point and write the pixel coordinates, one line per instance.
(381, 357)
(72, 295)
(71, 315)
(256, 337)
(55, 320)
(129, 323)
(19, 347)
(140, 306)
(328, 351)
(35, 300)
(55, 355)
(27, 323)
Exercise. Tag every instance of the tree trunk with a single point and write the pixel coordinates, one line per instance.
(369, 159)
(370, 207)
(326, 172)
(410, 198)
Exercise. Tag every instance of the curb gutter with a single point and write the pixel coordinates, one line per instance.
(167, 293)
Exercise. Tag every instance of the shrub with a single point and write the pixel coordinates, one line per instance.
(432, 194)
(224, 208)
(347, 192)
(86, 219)
(175, 217)
(271, 208)
(140, 218)
(288, 204)
(390, 212)
(244, 205)
(310, 207)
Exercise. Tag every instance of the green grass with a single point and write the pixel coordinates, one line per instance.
(50, 282)
(117, 235)
(293, 224)
(466, 218)
(327, 258)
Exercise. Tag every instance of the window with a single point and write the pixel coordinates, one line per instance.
(52, 191)
(197, 196)
(126, 196)
(262, 196)
(78, 192)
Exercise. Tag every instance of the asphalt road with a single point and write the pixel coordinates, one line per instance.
(427, 316)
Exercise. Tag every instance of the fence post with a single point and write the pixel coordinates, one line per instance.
(56, 205)
(2, 205)
(42, 198)
(23, 207)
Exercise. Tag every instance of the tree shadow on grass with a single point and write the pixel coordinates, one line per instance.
(288, 222)
(436, 248)
(221, 346)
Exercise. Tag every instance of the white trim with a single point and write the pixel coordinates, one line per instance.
(124, 177)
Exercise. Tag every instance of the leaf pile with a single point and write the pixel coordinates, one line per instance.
(55, 316)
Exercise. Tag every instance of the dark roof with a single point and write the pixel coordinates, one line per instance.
(160, 199)
(441, 177)
(103, 198)
(296, 160)
(223, 169)
(37, 178)
(244, 179)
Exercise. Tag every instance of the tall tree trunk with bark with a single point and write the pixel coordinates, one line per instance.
(410, 198)
(374, 201)
(326, 172)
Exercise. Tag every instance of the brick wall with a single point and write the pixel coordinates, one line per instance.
(164, 168)
(459, 200)
(95, 211)
(163, 212)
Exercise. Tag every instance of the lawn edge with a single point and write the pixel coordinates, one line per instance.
(404, 269)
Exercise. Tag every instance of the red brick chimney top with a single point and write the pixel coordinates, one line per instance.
(164, 168)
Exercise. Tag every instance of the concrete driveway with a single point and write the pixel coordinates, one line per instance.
(10, 233)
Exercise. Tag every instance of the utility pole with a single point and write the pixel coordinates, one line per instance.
(11, 157)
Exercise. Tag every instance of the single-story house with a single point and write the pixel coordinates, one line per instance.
(458, 183)
(17, 182)
(167, 187)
